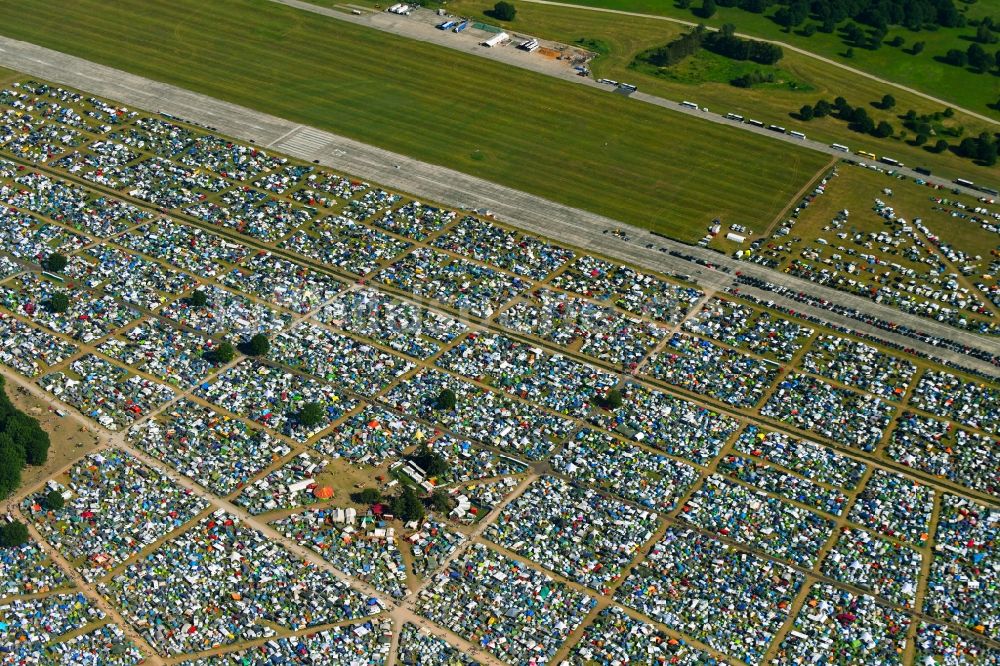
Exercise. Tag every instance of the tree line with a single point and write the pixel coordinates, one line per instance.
(22, 442)
(912, 14)
(724, 43)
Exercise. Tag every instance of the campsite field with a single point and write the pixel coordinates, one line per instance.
(584, 147)
(892, 253)
(977, 92)
(704, 78)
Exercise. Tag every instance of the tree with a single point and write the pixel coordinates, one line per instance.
(708, 9)
(504, 11)
(224, 353)
(198, 298)
(956, 57)
(948, 112)
(809, 30)
(58, 302)
(854, 33)
(613, 399)
(440, 501)
(920, 139)
(54, 263)
(429, 460)
(896, 41)
(883, 130)
(888, 101)
(996, 57)
(54, 500)
(821, 109)
(446, 400)
(978, 58)
(806, 112)
(258, 345)
(940, 146)
(367, 496)
(849, 53)
(311, 414)
(407, 506)
(984, 35)
(13, 534)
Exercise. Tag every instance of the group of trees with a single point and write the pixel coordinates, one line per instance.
(677, 50)
(913, 14)
(22, 442)
(983, 148)
(724, 42)
(975, 57)
(406, 505)
(856, 117)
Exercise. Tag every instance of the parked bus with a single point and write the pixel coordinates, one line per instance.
(628, 86)
(842, 148)
(890, 161)
(922, 170)
(797, 135)
(776, 128)
(690, 105)
(964, 183)
(755, 123)
(990, 191)
(870, 156)
(461, 26)
(733, 116)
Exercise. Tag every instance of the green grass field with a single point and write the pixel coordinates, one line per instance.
(583, 147)
(706, 80)
(921, 72)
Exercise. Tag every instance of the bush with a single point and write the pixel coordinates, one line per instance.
(940, 146)
(806, 112)
(13, 534)
(311, 414)
(54, 500)
(708, 9)
(58, 302)
(258, 345)
(920, 139)
(888, 101)
(54, 263)
(446, 400)
(504, 11)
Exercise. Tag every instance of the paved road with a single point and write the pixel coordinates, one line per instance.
(783, 45)
(451, 188)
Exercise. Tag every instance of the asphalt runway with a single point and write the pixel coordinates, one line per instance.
(454, 189)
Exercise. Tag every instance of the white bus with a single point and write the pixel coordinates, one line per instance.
(963, 182)
(733, 116)
(690, 105)
(797, 135)
(842, 148)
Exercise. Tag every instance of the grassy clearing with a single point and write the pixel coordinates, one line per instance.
(579, 146)
(708, 67)
(921, 72)
(625, 36)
